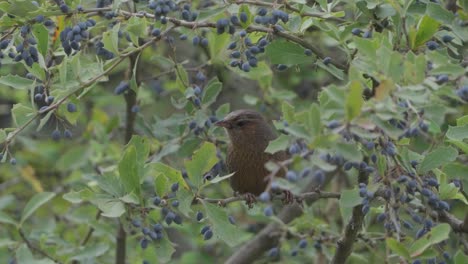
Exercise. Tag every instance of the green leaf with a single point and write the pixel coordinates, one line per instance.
(16, 82)
(34, 203)
(22, 9)
(161, 184)
(164, 250)
(5, 242)
(245, 9)
(202, 161)
(437, 158)
(128, 170)
(457, 132)
(280, 143)
(288, 112)
(439, 13)
(221, 226)
(221, 178)
(348, 200)
(398, 248)
(110, 39)
(6, 219)
(210, 93)
(21, 114)
(182, 81)
(426, 28)
(185, 201)
(285, 52)
(462, 121)
(217, 45)
(460, 257)
(75, 197)
(171, 174)
(354, 101)
(109, 206)
(436, 235)
(91, 252)
(461, 145)
(349, 151)
(42, 35)
(44, 120)
(3, 136)
(450, 191)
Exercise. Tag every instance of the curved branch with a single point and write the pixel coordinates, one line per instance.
(36, 249)
(315, 195)
(346, 242)
(271, 234)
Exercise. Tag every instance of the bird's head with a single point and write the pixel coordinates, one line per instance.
(247, 128)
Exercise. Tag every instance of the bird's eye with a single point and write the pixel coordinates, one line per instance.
(241, 123)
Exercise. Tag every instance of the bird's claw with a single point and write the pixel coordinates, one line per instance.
(250, 199)
(288, 197)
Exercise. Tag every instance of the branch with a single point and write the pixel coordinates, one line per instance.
(315, 195)
(456, 224)
(251, 28)
(36, 249)
(346, 242)
(271, 234)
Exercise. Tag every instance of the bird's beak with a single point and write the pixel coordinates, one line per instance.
(223, 123)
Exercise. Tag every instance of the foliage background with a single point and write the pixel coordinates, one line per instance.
(377, 89)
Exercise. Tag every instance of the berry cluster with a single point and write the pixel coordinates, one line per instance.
(63, 6)
(102, 52)
(187, 14)
(150, 233)
(40, 96)
(358, 32)
(206, 232)
(162, 7)
(25, 50)
(245, 57)
(197, 130)
(276, 15)
(56, 135)
(169, 215)
(72, 36)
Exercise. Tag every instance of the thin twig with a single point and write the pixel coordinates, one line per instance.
(36, 249)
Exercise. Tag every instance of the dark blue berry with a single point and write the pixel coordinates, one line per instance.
(157, 200)
(121, 88)
(291, 176)
(268, 211)
(56, 135)
(356, 31)
(232, 220)
(64, 8)
(204, 229)
(302, 243)
(281, 67)
(265, 197)
(175, 187)
(447, 38)
(273, 252)
(243, 17)
(208, 234)
(432, 45)
(199, 216)
(67, 134)
(71, 107)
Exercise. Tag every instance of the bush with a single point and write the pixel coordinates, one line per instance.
(109, 154)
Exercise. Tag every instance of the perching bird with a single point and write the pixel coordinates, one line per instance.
(250, 135)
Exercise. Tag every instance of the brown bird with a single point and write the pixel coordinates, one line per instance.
(249, 135)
